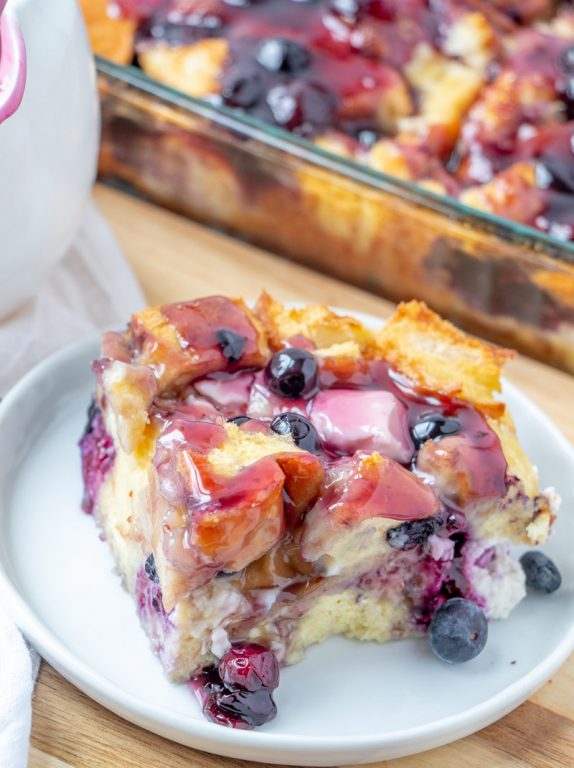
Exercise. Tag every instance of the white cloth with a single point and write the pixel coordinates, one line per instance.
(16, 686)
(91, 288)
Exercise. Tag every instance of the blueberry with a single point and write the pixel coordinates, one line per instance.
(278, 54)
(237, 692)
(412, 533)
(566, 61)
(242, 89)
(458, 631)
(432, 427)
(232, 344)
(552, 173)
(292, 372)
(300, 428)
(249, 666)
(250, 709)
(301, 106)
(239, 420)
(367, 138)
(150, 569)
(541, 573)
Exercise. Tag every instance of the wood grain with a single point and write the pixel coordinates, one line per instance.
(176, 259)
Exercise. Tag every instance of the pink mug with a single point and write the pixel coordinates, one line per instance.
(12, 63)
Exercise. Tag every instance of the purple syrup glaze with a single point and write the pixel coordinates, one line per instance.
(97, 455)
(12, 64)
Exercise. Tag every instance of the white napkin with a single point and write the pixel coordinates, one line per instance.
(91, 288)
(16, 686)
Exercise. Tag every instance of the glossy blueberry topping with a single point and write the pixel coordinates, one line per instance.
(278, 54)
(412, 533)
(150, 569)
(299, 428)
(249, 709)
(238, 693)
(232, 344)
(255, 708)
(458, 631)
(433, 427)
(541, 573)
(292, 373)
(249, 666)
(301, 106)
(242, 89)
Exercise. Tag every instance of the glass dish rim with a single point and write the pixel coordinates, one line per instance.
(251, 128)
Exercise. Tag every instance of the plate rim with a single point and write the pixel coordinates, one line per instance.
(115, 698)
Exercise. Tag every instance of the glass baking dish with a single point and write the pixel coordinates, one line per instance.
(502, 280)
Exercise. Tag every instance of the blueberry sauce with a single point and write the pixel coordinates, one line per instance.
(304, 66)
(97, 456)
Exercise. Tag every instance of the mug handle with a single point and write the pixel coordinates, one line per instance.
(12, 63)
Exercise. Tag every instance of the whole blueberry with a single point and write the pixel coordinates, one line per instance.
(411, 533)
(301, 106)
(252, 709)
(249, 666)
(434, 426)
(242, 89)
(232, 344)
(279, 54)
(458, 631)
(292, 372)
(541, 573)
(299, 428)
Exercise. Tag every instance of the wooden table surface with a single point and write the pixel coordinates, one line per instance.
(175, 259)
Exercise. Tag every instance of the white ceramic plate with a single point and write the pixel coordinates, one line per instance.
(348, 702)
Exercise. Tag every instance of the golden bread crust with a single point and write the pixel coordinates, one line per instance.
(194, 69)
(315, 322)
(438, 357)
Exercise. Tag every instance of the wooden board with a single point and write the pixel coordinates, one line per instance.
(176, 259)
